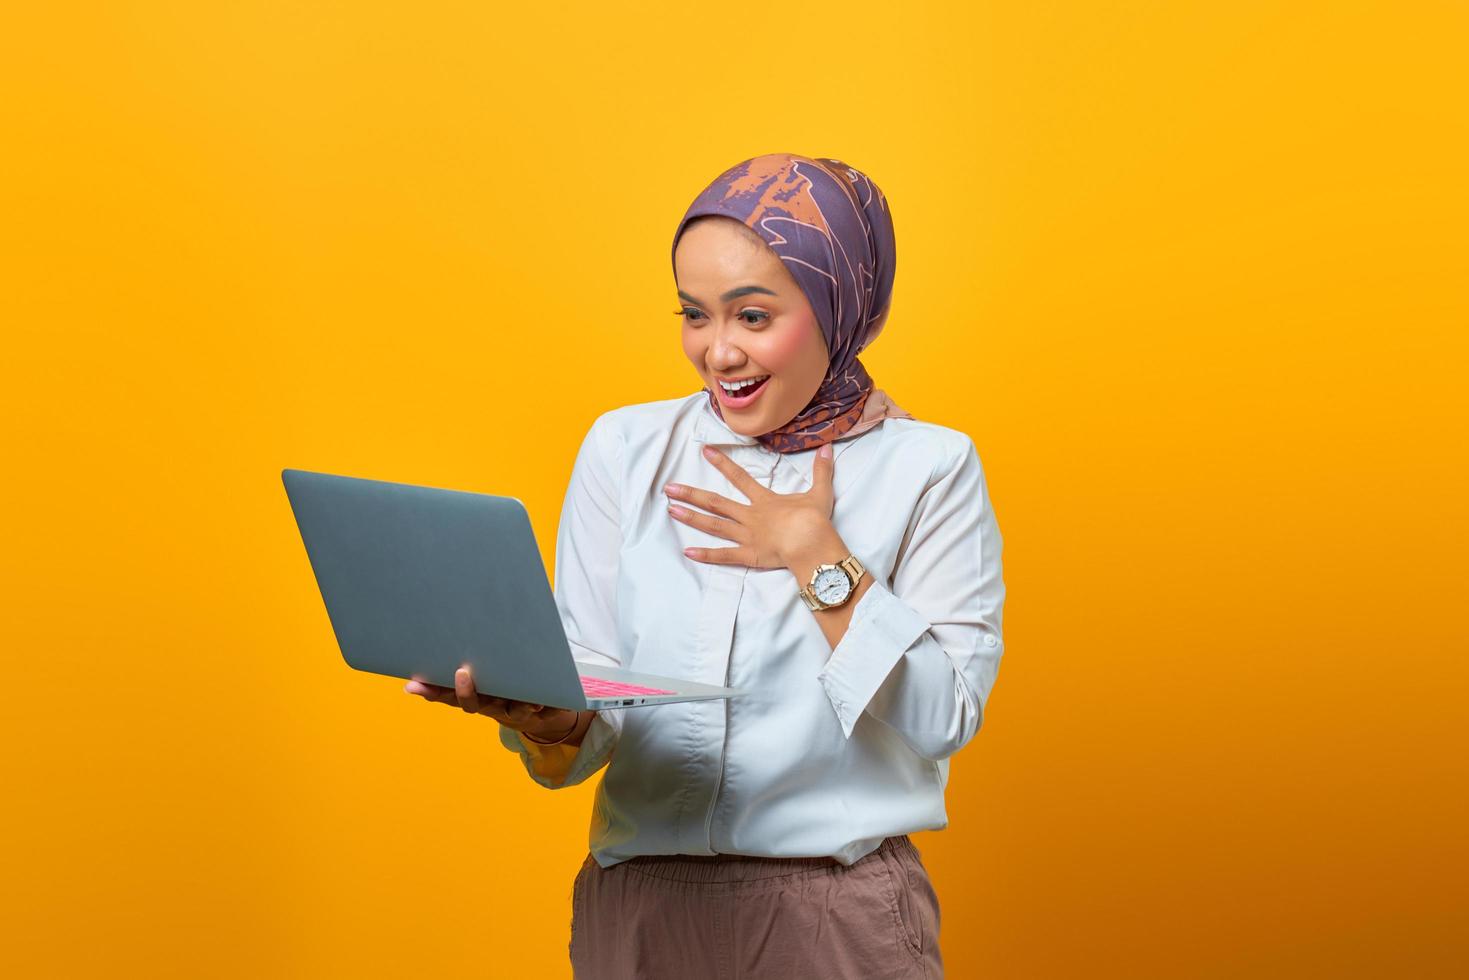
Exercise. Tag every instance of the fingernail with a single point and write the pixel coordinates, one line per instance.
(826, 450)
(709, 452)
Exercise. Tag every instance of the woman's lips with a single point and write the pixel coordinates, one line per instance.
(730, 401)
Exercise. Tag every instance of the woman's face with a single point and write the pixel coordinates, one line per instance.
(744, 316)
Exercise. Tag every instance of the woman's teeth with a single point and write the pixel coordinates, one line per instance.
(737, 386)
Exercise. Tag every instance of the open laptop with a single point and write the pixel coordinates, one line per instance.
(418, 581)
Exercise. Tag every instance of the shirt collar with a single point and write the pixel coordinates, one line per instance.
(711, 430)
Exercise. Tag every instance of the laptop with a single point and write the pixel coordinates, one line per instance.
(418, 581)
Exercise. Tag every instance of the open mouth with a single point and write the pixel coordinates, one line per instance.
(742, 397)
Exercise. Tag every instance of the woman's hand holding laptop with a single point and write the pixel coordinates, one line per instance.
(536, 720)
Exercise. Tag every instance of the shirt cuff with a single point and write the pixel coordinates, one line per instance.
(560, 766)
(882, 629)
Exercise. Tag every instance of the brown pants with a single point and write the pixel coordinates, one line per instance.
(727, 917)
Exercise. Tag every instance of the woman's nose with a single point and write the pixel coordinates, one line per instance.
(725, 357)
(726, 366)
(724, 354)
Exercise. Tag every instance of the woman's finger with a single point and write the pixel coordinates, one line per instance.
(718, 526)
(721, 556)
(514, 713)
(708, 500)
(823, 469)
(464, 690)
(520, 712)
(494, 708)
(507, 712)
(737, 474)
(431, 692)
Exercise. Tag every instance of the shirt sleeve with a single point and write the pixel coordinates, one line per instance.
(921, 656)
(588, 545)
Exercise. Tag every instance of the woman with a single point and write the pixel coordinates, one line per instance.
(766, 835)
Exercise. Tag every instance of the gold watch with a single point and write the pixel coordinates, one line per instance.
(833, 585)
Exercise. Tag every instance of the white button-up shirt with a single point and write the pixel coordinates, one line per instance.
(831, 750)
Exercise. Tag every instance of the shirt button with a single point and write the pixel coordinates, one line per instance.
(989, 640)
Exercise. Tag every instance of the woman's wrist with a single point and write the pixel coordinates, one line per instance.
(815, 537)
(579, 724)
(824, 547)
(540, 740)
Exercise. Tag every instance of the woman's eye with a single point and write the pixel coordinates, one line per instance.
(694, 316)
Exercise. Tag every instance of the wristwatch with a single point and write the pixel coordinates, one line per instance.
(833, 585)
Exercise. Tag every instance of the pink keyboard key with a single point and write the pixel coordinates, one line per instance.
(597, 688)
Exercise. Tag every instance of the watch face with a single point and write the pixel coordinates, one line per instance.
(832, 586)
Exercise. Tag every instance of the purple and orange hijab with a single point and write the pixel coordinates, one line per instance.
(830, 225)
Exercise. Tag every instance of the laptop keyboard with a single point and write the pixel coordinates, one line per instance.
(595, 687)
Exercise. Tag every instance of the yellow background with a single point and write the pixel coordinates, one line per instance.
(1191, 275)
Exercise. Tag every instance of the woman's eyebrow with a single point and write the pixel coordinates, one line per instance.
(735, 293)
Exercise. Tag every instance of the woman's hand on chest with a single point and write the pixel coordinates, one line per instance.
(769, 530)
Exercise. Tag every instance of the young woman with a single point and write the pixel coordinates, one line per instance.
(790, 531)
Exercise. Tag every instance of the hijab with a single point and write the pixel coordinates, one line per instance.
(829, 224)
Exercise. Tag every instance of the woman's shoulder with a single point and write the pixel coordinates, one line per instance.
(631, 422)
(651, 414)
(920, 442)
(637, 431)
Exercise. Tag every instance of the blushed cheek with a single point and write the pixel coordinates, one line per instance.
(789, 349)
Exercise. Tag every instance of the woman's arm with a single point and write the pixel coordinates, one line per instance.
(922, 656)
(551, 725)
(828, 547)
(588, 549)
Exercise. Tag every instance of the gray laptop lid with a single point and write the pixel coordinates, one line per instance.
(419, 580)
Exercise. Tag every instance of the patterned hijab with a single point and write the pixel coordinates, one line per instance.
(830, 226)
